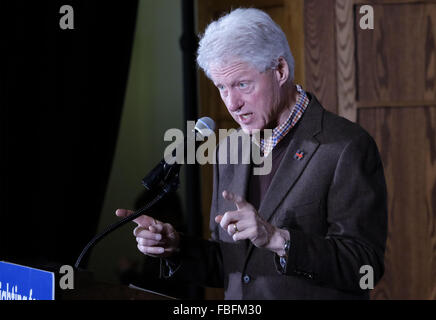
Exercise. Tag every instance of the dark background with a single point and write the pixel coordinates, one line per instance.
(62, 93)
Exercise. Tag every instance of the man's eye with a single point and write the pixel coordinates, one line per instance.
(220, 87)
(243, 85)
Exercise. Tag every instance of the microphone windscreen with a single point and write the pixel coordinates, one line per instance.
(206, 126)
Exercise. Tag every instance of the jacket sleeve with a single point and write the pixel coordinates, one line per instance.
(357, 224)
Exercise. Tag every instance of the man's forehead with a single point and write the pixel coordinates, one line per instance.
(231, 69)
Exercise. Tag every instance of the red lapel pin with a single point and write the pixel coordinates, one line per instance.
(299, 155)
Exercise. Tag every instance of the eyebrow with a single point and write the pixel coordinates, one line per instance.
(232, 84)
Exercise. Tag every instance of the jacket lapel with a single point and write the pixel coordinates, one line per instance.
(298, 154)
(287, 174)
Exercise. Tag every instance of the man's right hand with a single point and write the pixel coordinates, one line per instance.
(154, 238)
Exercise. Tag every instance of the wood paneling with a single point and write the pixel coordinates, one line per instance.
(406, 139)
(396, 99)
(401, 50)
(345, 51)
(386, 82)
(320, 51)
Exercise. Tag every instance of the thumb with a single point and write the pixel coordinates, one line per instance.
(239, 201)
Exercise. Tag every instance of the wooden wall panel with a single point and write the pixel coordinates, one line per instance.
(345, 59)
(406, 139)
(396, 99)
(320, 51)
(385, 80)
(396, 59)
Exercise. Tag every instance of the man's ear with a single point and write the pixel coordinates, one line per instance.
(282, 71)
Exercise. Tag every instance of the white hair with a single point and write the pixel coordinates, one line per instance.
(248, 35)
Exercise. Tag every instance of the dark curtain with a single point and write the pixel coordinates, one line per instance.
(62, 93)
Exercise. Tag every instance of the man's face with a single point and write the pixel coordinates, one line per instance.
(251, 97)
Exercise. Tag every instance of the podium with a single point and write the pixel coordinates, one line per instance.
(25, 282)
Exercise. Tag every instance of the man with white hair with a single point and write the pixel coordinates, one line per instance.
(305, 229)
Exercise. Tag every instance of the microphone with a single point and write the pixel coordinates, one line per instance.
(204, 127)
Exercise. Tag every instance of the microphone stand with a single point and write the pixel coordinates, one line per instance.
(166, 183)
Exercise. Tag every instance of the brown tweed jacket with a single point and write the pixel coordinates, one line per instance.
(332, 201)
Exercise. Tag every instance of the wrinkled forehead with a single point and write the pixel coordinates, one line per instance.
(234, 67)
(224, 62)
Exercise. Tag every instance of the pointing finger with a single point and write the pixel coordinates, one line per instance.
(123, 213)
(218, 218)
(143, 221)
(237, 199)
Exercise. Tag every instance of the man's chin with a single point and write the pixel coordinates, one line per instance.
(250, 131)
(246, 130)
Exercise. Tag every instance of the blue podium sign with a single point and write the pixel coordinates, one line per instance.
(23, 283)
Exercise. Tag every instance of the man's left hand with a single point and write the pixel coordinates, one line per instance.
(246, 223)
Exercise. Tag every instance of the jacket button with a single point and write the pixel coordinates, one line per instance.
(246, 278)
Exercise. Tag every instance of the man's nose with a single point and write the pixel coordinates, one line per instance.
(234, 101)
